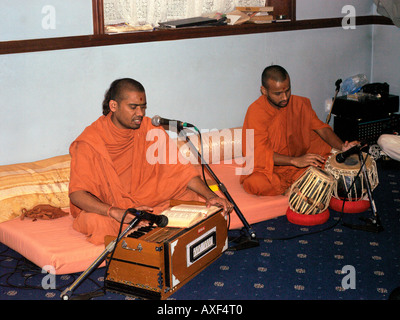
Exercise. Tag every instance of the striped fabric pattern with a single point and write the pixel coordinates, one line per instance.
(26, 185)
(219, 146)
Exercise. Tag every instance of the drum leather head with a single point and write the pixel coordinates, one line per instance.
(322, 173)
(351, 163)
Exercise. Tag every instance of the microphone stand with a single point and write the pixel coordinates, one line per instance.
(372, 224)
(244, 241)
(337, 84)
(66, 294)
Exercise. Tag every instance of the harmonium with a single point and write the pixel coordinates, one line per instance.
(153, 263)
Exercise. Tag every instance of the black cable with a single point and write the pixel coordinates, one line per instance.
(113, 251)
(101, 291)
(26, 270)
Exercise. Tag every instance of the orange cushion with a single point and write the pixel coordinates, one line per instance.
(254, 208)
(50, 242)
(56, 243)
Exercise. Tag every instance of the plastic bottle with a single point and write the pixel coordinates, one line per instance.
(354, 84)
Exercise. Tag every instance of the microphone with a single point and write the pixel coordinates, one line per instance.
(337, 84)
(158, 121)
(341, 157)
(159, 220)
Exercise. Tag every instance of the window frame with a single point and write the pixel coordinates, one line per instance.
(288, 9)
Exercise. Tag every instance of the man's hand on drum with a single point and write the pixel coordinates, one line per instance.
(347, 145)
(309, 159)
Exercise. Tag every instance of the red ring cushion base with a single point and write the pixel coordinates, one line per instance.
(307, 219)
(349, 206)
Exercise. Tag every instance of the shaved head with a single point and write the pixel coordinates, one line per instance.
(275, 73)
(276, 86)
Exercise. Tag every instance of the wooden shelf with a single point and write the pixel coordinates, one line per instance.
(21, 46)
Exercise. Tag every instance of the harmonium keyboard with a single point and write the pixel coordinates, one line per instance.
(154, 263)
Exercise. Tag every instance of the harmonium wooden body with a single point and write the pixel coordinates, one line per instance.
(155, 264)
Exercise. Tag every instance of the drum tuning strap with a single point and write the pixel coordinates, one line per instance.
(297, 191)
(309, 201)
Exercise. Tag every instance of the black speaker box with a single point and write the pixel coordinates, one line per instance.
(365, 106)
(367, 131)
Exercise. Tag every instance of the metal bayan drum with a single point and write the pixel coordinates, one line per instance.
(311, 192)
(351, 184)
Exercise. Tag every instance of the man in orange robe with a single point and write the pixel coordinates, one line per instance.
(122, 161)
(288, 136)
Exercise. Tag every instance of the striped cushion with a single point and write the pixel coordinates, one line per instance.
(219, 146)
(25, 185)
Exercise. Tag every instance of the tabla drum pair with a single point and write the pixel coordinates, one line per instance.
(316, 190)
(309, 197)
(351, 192)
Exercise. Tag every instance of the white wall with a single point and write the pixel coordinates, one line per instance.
(386, 57)
(27, 19)
(49, 97)
(317, 9)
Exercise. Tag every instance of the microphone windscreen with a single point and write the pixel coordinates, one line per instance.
(155, 121)
(340, 158)
(163, 222)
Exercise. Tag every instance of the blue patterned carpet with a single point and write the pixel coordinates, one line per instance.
(313, 266)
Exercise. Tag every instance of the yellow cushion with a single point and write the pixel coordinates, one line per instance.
(25, 185)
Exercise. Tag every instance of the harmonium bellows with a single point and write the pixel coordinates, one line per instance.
(154, 264)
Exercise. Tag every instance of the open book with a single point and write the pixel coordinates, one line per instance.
(187, 215)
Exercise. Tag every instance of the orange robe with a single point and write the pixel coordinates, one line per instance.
(119, 167)
(288, 131)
